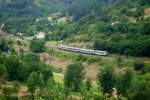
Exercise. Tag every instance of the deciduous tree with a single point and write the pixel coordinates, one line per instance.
(73, 77)
(106, 79)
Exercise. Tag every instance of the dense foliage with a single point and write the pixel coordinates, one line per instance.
(106, 79)
(28, 69)
(117, 26)
(120, 28)
(37, 45)
(140, 88)
(73, 77)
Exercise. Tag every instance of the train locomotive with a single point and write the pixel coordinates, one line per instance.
(85, 51)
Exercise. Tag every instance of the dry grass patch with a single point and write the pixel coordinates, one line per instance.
(59, 78)
(23, 91)
(60, 63)
(91, 70)
(117, 69)
(147, 12)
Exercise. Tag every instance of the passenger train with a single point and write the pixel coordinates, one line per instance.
(85, 51)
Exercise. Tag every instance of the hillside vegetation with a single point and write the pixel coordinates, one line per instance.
(117, 26)
(33, 68)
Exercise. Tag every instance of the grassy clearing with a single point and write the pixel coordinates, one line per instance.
(90, 59)
(14, 90)
(51, 44)
(28, 38)
(59, 78)
(91, 63)
(60, 63)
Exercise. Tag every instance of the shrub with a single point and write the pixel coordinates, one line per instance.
(106, 79)
(37, 45)
(73, 77)
(138, 65)
(9, 98)
(140, 88)
(94, 59)
(81, 58)
(16, 86)
(8, 90)
(146, 69)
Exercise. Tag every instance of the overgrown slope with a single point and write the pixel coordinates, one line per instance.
(119, 26)
(21, 15)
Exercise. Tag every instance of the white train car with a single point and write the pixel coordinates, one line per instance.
(85, 51)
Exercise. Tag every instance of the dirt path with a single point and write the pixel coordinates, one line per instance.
(23, 91)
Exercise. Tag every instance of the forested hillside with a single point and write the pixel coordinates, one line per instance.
(117, 26)
(74, 49)
(21, 15)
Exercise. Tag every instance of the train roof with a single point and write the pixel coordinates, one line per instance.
(80, 48)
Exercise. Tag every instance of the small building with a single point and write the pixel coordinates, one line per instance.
(2, 32)
(2, 26)
(62, 19)
(114, 23)
(37, 20)
(19, 34)
(49, 18)
(40, 35)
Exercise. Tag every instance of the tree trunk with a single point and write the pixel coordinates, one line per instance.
(32, 96)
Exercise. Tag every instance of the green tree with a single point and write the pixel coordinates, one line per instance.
(3, 42)
(40, 80)
(12, 64)
(37, 45)
(32, 83)
(23, 72)
(3, 74)
(35, 80)
(145, 27)
(123, 82)
(30, 57)
(144, 2)
(41, 83)
(53, 90)
(106, 79)
(140, 88)
(94, 93)
(47, 73)
(99, 45)
(86, 94)
(119, 61)
(88, 84)
(74, 75)
(138, 65)
(81, 58)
